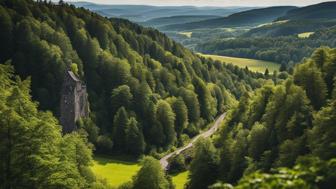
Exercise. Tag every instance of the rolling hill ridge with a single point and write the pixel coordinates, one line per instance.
(246, 18)
(326, 10)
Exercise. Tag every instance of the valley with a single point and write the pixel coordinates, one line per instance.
(167, 95)
(249, 32)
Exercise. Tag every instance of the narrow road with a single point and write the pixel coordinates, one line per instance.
(205, 134)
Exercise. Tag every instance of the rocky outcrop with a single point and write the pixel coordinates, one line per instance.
(74, 102)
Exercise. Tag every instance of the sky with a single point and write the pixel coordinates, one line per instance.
(222, 3)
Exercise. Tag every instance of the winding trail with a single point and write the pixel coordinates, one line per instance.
(164, 160)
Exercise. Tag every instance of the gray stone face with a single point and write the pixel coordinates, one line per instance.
(74, 102)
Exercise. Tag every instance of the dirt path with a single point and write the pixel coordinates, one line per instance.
(205, 134)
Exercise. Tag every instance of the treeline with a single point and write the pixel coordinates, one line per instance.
(146, 92)
(280, 136)
(286, 50)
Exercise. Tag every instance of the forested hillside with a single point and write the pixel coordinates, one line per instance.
(149, 94)
(142, 13)
(324, 10)
(280, 136)
(286, 50)
(146, 92)
(304, 19)
(164, 21)
(252, 17)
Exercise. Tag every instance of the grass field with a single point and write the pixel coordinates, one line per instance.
(117, 172)
(252, 64)
(180, 179)
(305, 35)
(187, 34)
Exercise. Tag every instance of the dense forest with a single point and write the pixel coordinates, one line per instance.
(279, 136)
(149, 94)
(146, 92)
(34, 154)
(286, 50)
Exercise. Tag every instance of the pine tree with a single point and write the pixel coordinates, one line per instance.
(257, 140)
(310, 78)
(266, 73)
(121, 128)
(192, 103)
(205, 99)
(135, 143)
(322, 135)
(121, 96)
(181, 112)
(165, 118)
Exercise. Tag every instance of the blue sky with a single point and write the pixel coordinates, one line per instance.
(222, 3)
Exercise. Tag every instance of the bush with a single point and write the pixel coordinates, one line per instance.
(177, 164)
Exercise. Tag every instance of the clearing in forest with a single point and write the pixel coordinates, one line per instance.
(252, 64)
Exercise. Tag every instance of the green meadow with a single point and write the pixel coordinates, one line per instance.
(305, 34)
(180, 179)
(187, 34)
(252, 64)
(117, 172)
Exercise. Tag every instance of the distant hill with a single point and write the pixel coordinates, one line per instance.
(290, 27)
(326, 10)
(159, 22)
(305, 19)
(246, 18)
(143, 13)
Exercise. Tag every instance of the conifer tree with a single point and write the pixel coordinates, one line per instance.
(121, 125)
(135, 143)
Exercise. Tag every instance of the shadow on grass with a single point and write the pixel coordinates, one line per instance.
(120, 159)
(174, 174)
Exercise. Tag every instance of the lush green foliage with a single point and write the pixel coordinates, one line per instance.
(119, 171)
(147, 93)
(285, 50)
(203, 168)
(151, 176)
(33, 152)
(287, 125)
(131, 72)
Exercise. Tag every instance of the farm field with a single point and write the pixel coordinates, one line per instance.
(305, 35)
(187, 34)
(117, 172)
(252, 64)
